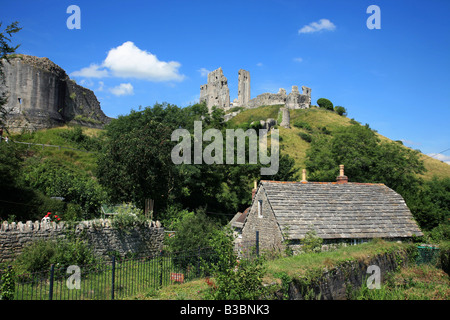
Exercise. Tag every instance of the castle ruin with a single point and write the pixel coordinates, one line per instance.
(216, 93)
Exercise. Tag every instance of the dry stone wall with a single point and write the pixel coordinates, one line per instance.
(101, 236)
(334, 284)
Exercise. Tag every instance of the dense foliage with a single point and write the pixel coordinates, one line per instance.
(367, 159)
(136, 164)
(325, 103)
(39, 255)
(5, 50)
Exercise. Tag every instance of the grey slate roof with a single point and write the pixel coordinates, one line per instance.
(338, 211)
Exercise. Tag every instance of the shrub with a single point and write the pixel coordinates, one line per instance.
(340, 110)
(128, 217)
(302, 125)
(194, 230)
(311, 243)
(444, 257)
(325, 103)
(324, 130)
(39, 255)
(7, 284)
(305, 136)
(81, 140)
(234, 279)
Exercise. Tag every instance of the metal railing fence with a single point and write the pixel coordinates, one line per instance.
(118, 278)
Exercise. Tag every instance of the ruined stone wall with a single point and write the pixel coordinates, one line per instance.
(334, 283)
(294, 100)
(243, 87)
(100, 235)
(41, 95)
(216, 92)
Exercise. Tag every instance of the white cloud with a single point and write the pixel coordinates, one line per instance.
(298, 59)
(128, 61)
(93, 71)
(86, 83)
(322, 24)
(441, 157)
(124, 89)
(203, 72)
(259, 64)
(101, 86)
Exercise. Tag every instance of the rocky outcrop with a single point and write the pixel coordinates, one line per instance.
(41, 95)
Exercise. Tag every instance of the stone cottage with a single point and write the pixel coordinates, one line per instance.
(338, 211)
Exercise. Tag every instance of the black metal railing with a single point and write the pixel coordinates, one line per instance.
(118, 278)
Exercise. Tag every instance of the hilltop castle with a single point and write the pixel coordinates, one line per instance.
(216, 93)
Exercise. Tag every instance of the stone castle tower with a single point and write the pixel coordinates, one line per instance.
(216, 92)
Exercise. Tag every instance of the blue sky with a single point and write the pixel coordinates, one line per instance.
(136, 53)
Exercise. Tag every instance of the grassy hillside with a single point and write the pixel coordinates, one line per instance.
(71, 151)
(290, 142)
(316, 119)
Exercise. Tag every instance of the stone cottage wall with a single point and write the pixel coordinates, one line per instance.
(99, 234)
(270, 237)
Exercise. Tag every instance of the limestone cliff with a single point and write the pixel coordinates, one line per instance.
(41, 95)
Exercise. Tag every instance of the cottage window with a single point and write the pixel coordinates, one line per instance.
(260, 208)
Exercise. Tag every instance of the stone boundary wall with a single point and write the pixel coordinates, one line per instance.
(333, 283)
(145, 240)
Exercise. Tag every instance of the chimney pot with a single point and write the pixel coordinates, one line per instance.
(304, 176)
(254, 190)
(341, 178)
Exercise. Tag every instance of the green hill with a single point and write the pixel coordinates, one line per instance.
(312, 122)
(63, 144)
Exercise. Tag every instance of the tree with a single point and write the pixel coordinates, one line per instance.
(5, 50)
(325, 103)
(365, 158)
(430, 204)
(340, 110)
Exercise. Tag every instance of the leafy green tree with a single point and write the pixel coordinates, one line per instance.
(367, 159)
(431, 206)
(5, 50)
(193, 231)
(286, 171)
(325, 103)
(54, 179)
(340, 110)
(234, 278)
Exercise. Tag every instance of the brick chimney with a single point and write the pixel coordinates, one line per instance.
(254, 189)
(341, 178)
(304, 176)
